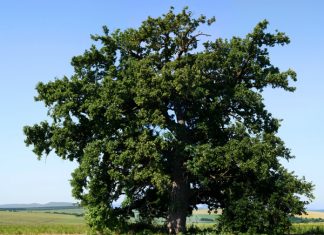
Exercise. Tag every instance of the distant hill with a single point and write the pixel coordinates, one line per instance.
(38, 205)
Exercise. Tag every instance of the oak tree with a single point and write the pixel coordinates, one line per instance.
(164, 122)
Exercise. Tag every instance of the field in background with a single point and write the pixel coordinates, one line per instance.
(30, 217)
(38, 222)
(314, 215)
(70, 221)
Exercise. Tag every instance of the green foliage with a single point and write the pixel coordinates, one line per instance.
(151, 118)
(299, 220)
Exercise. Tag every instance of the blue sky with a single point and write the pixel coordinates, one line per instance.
(39, 38)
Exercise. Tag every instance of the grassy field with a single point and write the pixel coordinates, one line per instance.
(29, 222)
(8, 218)
(70, 222)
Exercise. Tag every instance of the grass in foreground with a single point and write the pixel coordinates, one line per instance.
(308, 228)
(43, 229)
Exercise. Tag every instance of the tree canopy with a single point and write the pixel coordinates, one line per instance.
(166, 123)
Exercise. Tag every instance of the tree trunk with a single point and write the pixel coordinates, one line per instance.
(179, 198)
(178, 207)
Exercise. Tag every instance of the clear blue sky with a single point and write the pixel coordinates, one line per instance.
(38, 39)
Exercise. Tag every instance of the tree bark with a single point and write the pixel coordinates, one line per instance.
(179, 200)
(180, 188)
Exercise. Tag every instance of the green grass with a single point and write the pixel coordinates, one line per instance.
(308, 228)
(202, 218)
(43, 229)
(7, 218)
(68, 222)
(30, 222)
